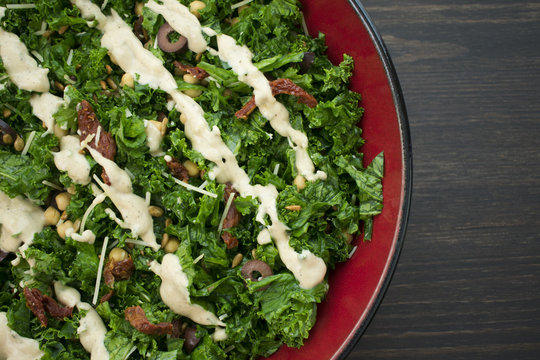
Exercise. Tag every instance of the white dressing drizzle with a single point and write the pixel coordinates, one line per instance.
(174, 292)
(20, 220)
(153, 138)
(239, 58)
(16, 347)
(91, 328)
(181, 20)
(22, 69)
(131, 56)
(69, 159)
(132, 207)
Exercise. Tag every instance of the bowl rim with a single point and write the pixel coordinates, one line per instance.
(401, 112)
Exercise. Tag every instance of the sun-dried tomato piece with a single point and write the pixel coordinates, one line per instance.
(193, 70)
(231, 219)
(178, 170)
(177, 328)
(116, 270)
(279, 86)
(137, 318)
(39, 303)
(103, 141)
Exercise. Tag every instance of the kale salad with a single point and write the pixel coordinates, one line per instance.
(177, 178)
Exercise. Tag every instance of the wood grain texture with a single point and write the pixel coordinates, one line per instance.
(468, 282)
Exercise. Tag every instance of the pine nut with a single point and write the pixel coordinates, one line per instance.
(108, 68)
(300, 182)
(237, 260)
(19, 144)
(118, 254)
(52, 216)
(191, 168)
(155, 211)
(195, 6)
(127, 80)
(62, 200)
(111, 83)
(193, 93)
(164, 240)
(172, 245)
(190, 79)
(7, 139)
(293, 207)
(62, 228)
(6, 113)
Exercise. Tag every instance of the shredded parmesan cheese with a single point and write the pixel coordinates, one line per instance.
(190, 187)
(130, 174)
(147, 198)
(276, 169)
(28, 142)
(223, 317)
(225, 212)
(20, 6)
(70, 57)
(37, 55)
(100, 269)
(68, 79)
(352, 251)
(241, 3)
(98, 135)
(50, 184)
(203, 185)
(304, 25)
(104, 4)
(229, 348)
(98, 200)
(198, 259)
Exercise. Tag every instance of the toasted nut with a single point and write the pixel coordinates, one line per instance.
(64, 215)
(108, 68)
(164, 240)
(127, 80)
(6, 113)
(191, 168)
(300, 182)
(164, 123)
(7, 139)
(242, 8)
(103, 85)
(198, 57)
(59, 86)
(63, 29)
(155, 211)
(62, 228)
(111, 83)
(254, 253)
(183, 118)
(293, 207)
(19, 144)
(237, 260)
(139, 8)
(168, 222)
(118, 254)
(52, 216)
(158, 125)
(77, 225)
(172, 245)
(195, 6)
(192, 93)
(62, 200)
(71, 189)
(190, 79)
(235, 20)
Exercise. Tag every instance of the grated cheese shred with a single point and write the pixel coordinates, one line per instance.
(225, 212)
(28, 143)
(189, 186)
(100, 269)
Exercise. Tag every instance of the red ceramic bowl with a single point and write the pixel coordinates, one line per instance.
(357, 286)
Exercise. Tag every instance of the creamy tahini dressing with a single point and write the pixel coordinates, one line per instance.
(15, 347)
(174, 292)
(44, 106)
(91, 328)
(71, 160)
(20, 220)
(153, 138)
(181, 20)
(133, 208)
(308, 269)
(21, 68)
(239, 58)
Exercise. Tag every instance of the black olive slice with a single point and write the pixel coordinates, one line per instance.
(307, 61)
(253, 266)
(8, 135)
(165, 43)
(191, 340)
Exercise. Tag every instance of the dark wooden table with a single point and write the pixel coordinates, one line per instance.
(468, 282)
